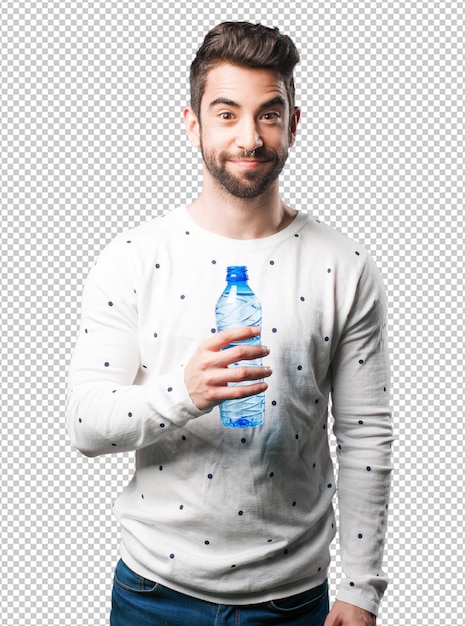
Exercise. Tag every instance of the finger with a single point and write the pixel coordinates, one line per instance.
(239, 374)
(219, 394)
(241, 352)
(231, 335)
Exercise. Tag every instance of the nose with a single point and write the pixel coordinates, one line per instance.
(248, 138)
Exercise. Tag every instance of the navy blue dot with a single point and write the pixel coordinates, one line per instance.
(171, 556)
(299, 367)
(213, 331)
(184, 438)
(274, 403)
(271, 474)
(329, 270)
(296, 436)
(80, 420)
(233, 566)
(360, 536)
(106, 364)
(294, 503)
(129, 414)
(182, 297)
(326, 338)
(187, 232)
(352, 584)
(128, 241)
(170, 389)
(361, 361)
(161, 468)
(269, 540)
(297, 235)
(114, 391)
(110, 303)
(240, 513)
(157, 266)
(210, 476)
(181, 506)
(271, 262)
(286, 551)
(360, 422)
(357, 253)
(207, 543)
(86, 331)
(319, 569)
(243, 440)
(213, 262)
(302, 299)
(142, 496)
(114, 444)
(155, 335)
(144, 367)
(368, 469)
(162, 425)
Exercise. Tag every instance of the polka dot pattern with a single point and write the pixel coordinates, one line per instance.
(303, 355)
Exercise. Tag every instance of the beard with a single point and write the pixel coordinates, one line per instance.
(249, 184)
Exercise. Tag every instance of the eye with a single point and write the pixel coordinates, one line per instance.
(271, 116)
(225, 115)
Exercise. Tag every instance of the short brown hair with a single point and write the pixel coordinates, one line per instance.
(246, 45)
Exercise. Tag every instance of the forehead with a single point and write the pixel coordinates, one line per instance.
(242, 85)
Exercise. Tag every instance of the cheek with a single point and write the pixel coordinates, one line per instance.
(212, 140)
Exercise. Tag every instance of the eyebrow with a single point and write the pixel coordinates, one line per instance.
(277, 101)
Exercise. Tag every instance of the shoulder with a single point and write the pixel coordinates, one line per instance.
(323, 237)
(342, 255)
(141, 240)
(347, 264)
(134, 252)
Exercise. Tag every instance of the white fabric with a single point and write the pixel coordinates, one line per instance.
(240, 515)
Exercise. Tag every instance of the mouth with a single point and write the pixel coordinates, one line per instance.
(248, 164)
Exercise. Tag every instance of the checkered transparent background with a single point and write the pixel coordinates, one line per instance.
(92, 143)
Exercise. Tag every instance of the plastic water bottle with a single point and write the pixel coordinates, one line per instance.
(239, 306)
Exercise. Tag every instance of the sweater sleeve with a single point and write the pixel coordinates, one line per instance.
(363, 429)
(108, 409)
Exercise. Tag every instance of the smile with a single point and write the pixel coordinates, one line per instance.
(248, 164)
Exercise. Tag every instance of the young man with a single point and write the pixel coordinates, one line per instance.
(229, 526)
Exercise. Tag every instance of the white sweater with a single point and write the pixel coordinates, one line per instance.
(238, 516)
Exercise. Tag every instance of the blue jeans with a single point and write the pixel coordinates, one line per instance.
(137, 601)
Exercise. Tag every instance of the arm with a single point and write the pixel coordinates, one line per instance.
(363, 428)
(113, 403)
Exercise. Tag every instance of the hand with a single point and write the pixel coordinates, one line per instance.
(207, 375)
(344, 614)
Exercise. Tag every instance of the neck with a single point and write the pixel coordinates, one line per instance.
(241, 218)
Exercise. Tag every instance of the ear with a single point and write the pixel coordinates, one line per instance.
(295, 118)
(192, 125)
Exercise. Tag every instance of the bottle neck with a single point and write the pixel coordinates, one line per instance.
(237, 274)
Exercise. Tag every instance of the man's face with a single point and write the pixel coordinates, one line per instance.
(245, 110)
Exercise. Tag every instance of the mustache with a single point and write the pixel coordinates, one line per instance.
(259, 154)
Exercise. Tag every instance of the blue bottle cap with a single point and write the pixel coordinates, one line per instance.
(237, 273)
